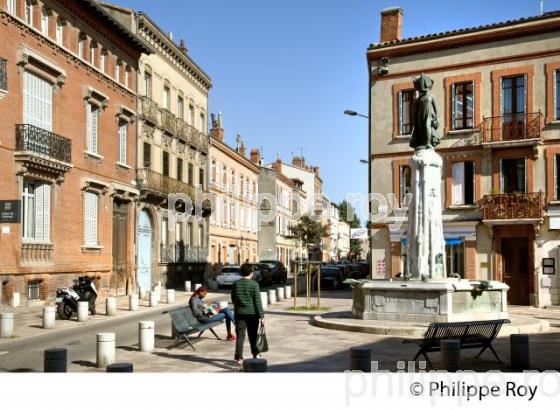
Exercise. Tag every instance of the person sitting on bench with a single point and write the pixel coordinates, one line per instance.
(207, 314)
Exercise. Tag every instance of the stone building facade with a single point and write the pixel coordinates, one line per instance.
(496, 88)
(67, 151)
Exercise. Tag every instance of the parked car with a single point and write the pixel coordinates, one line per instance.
(229, 275)
(276, 272)
(331, 277)
(364, 268)
(256, 269)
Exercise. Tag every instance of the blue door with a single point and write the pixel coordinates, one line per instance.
(144, 251)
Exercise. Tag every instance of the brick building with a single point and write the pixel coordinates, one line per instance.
(67, 147)
(496, 88)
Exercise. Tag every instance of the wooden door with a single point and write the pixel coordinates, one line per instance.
(516, 268)
(120, 246)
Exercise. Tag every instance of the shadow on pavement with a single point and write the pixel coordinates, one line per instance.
(222, 364)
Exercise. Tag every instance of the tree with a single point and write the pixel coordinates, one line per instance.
(346, 209)
(309, 232)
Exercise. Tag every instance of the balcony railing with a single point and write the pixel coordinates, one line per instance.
(3, 75)
(150, 109)
(168, 121)
(181, 253)
(192, 136)
(513, 206)
(156, 182)
(40, 141)
(512, 127)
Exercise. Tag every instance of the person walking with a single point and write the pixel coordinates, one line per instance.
(246, 299)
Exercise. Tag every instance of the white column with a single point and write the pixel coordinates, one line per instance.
(49, 317)
(170, 296)
(280, 294)
(106, 344)
(111, 306)
(188, 286)
(197, 285)
(271, 296)
(16, 300)
(264, 299)
(288, 291)
(6, 324)
(83, 311)
(146, 336)
(154, 299)
(133, 302)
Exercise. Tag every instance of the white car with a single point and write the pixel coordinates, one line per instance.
(229, 275)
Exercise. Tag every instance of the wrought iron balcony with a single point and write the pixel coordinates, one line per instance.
(39, 141)
(149, 110)
(192, 136)
(512, 127)
(3, 75)
(181, 253)
(158, 183)
(513, 206)
(168, 121)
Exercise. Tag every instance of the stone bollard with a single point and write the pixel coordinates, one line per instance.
(106, 344)
(271, 297)
(146, 336)
(170, 296)
(451, 355)
(197, 285)
(6, 324)
(49, 317)
(111, 306)
(120, 368)
(16, 300)
(287, 292)
(141, 293)
(360, 359)
(154, 299)
(280, 294)
(254, 366)
(188, 286)
(264, 299)
(55, 360)
(519, 351)
(133, 303)
(83, 311)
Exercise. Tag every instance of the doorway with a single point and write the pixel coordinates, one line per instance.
(144, 251)
(120, 246)
(516, 269)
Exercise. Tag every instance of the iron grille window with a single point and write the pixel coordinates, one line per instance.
(34, 290)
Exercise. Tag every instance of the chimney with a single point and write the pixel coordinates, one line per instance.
(391, 24)
(316, 170)
(243, 151)
(183, 47)
(278, 166)
(255, 156)
(298, 162)
(217, 132)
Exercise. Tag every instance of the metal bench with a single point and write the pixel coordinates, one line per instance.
(185, 324)
(476, 334)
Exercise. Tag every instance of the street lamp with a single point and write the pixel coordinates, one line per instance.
(354, 114)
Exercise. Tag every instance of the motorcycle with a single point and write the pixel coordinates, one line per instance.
(67, 299)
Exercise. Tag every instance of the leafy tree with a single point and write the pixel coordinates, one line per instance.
(309, 232)
(346, 209)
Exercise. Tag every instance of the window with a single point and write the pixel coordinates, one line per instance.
(123, 133)
(92, 49)
(406, 103)
(102, 55)
(213, 174)
(201, 235)
(37, 101)
(148, 84)
(180, 107)
(164, 230)
(202, 123)
(454, 252)
(91, 209)
(513, 97)
(92, 128)
(34, 290)
(165, 166)
(12, 6)
(191, 114)
(147, 158)
(557, 94)
(201, 177)
(190, 178)
(126, 76)
(463, 105)
(36, 209)
(513, 175)
(190, 234)
(59, 33)
(166, 97)
(405, 184)
(28, 12)
(556, 181)
(44, 22)
(179, 169)
(81, 45)
(462, 175)
(118, 70)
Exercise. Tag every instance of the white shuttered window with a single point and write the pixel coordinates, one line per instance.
(92, 118)
(37, 101)
(123, 130)
(36, 211)
(91, 209)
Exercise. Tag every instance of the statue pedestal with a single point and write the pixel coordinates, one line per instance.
(426, 244)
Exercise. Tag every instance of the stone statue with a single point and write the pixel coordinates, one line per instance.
(426, 243)
(214, 121)
(425, 133)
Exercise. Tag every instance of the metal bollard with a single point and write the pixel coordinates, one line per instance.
(133, 303)
(146, 336)
(254, 366)
(6, 324)
(451, 355)
(287, 292)
(519, 351)
(264, 299)
(49, 317)
(83, 311)
(197, 285)
(170, 296)
(271, 297)
(154, 299)
(111, 306)
(120, 368)
(280, 294)
(360, 358)
(106, 344)
(55, 360)
(188, 286)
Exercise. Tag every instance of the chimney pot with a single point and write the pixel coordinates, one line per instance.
(255, 156)
(391, 24)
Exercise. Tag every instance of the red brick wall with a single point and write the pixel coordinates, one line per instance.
(391, 25)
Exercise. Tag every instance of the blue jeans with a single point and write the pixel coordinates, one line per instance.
(225, 313)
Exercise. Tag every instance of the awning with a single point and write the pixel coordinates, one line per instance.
(448, 241)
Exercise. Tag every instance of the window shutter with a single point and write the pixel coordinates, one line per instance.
(39, 211)
(501, 176)
(94, 129)
(90, 218)
(88, 127)
(554, 187)
(46, 212)
(458, 183)
(37, 102)
(453, 106)
(525, 79)
(123, 129)
(400, 113)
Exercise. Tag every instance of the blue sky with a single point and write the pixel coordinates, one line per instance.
(284, 71)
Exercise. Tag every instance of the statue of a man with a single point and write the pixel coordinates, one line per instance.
(425, 134)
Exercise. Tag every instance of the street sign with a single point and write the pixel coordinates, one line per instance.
(10, 212)
(359, 233)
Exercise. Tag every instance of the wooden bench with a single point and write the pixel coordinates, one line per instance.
(185, 324)
(472, 335)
